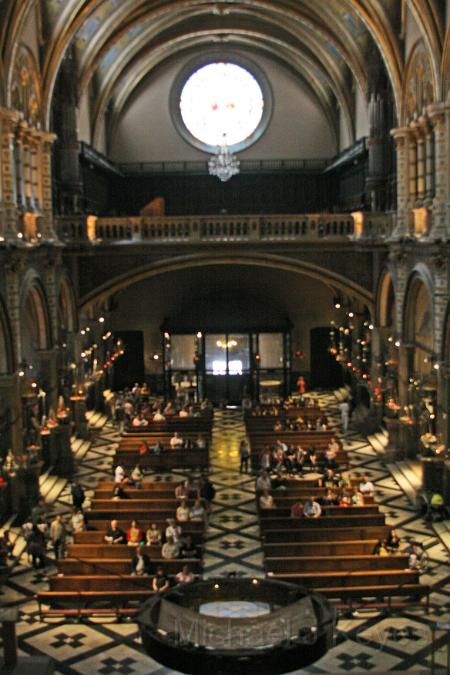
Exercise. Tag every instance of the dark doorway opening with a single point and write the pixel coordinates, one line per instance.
(326, 373)
(130, 367)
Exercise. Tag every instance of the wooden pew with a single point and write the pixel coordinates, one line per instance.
(283, 510)
(331, 534)
(345, 564)
(80, 605)
(339, 579)
(102, 566)
(322, 522)
(193, 530)
(167, 460)
(323, 548)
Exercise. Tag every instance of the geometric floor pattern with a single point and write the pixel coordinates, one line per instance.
(367, 642)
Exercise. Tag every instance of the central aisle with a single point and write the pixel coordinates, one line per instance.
(233, 537)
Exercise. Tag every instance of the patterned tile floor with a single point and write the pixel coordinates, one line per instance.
(367, 642)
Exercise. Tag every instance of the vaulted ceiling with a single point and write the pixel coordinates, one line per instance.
(331, 45)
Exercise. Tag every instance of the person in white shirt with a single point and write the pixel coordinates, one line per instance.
(173, 530)
(366, 487)
(158, 416)
(176, 441)
(119, 475)
(266, 500)
(311, 509)
(183, 413)
(198, 512)
(263, 482)
(139, 421)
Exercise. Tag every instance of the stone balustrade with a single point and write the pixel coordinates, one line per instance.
(224, 228)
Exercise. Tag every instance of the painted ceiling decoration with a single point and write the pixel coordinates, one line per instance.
(330, 45)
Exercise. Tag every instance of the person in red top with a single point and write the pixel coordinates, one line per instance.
(301, 385)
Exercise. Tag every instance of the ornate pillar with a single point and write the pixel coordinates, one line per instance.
(10, 393)
(52, 261)
(420, 163)
(8, 192)
(429, 163)
(440, 119)
(412, 170)
(46, 226)
(20, 167)
(401, 138)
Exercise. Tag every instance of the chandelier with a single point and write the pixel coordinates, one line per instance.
(223, 164)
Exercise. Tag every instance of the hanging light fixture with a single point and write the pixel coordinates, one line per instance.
(223, 164)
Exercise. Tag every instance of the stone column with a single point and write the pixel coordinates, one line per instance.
(401, 138)
(20, 167)
(8, 192)
(429, 163)
(14, 269)
(420, 146)
(46, 226)
(440, 119)
(412, 170)
(10, 393)
(376, 179)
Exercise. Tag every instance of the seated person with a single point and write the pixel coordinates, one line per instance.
(119, 493)
(160, 581)
(173, 530)
(158, 416)
(143, 448)
(437, 506)
(201, 443)
(297, 510)
(346, 500)
(176, 441)
(137, 476)
(182, 490)
(188, 549)
(183, 512)
(140, 563)
(185, 576)
(183, 413)
(153, 535)
(278, 426)
(381, 548)
(78, 521)
(418, 559)
(158, 448)
(135, 536)
(139, 421)
(330, 498)
(357, 497)
(393, 541)
(169, 410)
(170, 549)
(266, 500)
(119, 475)
(333, 446)
(265, 459)
(330, 479)
(313, 461)
(367, 487)
(263, 482)
(198, 513)
(114, 535)
(312, 508)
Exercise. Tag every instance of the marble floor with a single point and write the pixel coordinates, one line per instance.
(369, 641)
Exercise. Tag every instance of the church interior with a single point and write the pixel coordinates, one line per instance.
(225, 311)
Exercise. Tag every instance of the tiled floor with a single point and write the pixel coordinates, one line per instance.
(367, 642)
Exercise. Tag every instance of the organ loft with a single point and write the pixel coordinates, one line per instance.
(225, 334)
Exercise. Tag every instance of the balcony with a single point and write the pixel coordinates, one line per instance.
(309, 228)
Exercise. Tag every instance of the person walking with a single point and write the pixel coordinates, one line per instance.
(344, 407)
(244, 454)
(58, 536)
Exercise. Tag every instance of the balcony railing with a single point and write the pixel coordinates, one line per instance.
(224, 228)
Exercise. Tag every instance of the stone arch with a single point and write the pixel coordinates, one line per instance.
(333, 280)
(34, 319)
(420, 84)
(445, 68)
(385, 310)
(67, 313)
(418, 333)
(7, 360)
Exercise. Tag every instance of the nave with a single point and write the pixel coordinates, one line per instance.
(366, 641)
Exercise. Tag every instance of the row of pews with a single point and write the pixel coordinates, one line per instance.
(334, 553)
(94, 579)
(190, 429)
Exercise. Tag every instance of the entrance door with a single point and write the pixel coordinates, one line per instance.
(325, 372)
(227, 366)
